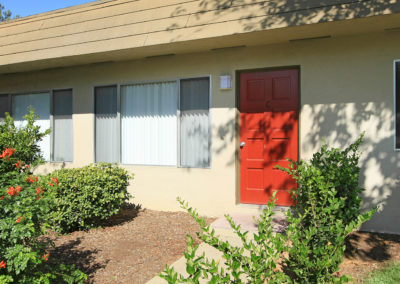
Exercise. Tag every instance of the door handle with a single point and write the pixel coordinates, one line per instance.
(242, 144)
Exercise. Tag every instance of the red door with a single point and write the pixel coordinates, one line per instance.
(268, 134)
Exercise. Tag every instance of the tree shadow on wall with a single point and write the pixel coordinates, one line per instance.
(338, 125)
(256, 15)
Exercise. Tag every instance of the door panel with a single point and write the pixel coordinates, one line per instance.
(269, 129)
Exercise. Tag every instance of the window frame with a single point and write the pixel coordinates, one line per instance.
(395, 110)
(51, 118)
(178, 114)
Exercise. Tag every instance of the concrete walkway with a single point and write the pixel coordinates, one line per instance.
(223, 229)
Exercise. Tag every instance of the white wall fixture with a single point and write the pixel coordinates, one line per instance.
(225, 82)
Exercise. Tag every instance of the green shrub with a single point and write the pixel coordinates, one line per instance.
(327, 209)
(256, 261)
(87, 196)
(24, 139)
(24, 210)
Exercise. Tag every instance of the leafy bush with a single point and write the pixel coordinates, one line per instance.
(86, 196)
(327, 208)
(256, 261)
(24, 209)
(25, 139)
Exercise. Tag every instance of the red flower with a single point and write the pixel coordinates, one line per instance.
(1, 197)
(27, 166)
(11, 191)
(31, 179)
(3, 264)
(18, 164)
(18, 220)
(18, 188)
(45, 256)
(38, 190)
(7, 152)
(54, 180)
(51, 184)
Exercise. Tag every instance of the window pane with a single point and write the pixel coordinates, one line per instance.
(3, 106)
(398, 105)
(62, 128)
(41, 106)
(149, 124)
(106, 124)
(195, 123)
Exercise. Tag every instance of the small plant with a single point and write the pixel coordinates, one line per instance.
(256, 261)
(87, 196)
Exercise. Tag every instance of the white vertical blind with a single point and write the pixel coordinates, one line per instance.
(41, 106)
(195, 123)
(149, 123)
(106, 124)
(62, 126)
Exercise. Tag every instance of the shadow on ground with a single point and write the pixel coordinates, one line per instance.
(371, 246)
(70, 253)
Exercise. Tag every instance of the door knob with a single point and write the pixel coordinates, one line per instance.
(242, 144)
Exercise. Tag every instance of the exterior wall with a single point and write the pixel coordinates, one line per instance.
(346, 87)
(114, 25)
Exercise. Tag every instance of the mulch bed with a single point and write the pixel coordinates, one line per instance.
(369, 251)
(136, 245)
(132, 247)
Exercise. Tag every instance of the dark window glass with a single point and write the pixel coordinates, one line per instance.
(397, 105)
(4, 106)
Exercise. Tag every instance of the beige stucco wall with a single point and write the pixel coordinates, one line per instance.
(346, 87)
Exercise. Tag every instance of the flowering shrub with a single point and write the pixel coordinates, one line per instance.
(84, 197)
(24, 209)
(25, 139)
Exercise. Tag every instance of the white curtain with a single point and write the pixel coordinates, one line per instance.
(41, 106)
(149, 124)
(195, 123)
(106, 125)
(62, 127)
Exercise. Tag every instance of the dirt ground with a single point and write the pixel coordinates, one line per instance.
(134, 246)
(369, 251)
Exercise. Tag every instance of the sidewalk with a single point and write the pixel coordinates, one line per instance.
(223, 229)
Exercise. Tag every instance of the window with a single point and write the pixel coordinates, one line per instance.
(195, 130)
(62, 126)
(107, 149)
(149, 124)
(54, 110)
(4, 106)
(161, 123)
(397, 104)
(40, 102)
